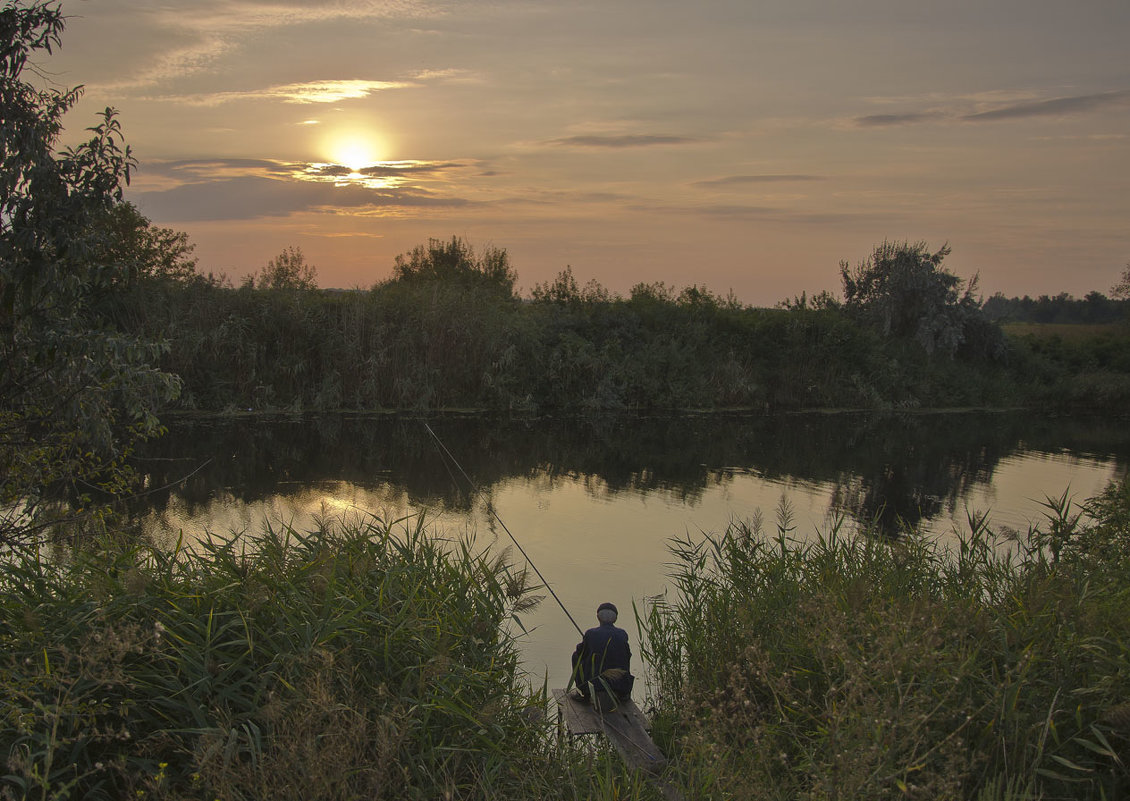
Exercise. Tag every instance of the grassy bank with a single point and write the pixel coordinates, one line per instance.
(865, 668)
(352, 662)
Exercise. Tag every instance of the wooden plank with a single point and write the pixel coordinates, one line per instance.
(583, 718)
(625, 727)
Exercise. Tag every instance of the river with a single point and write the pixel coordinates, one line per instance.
(595, 502)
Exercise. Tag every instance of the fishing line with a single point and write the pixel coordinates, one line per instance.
(490, 507)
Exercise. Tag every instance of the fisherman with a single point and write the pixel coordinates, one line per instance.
(602, 661)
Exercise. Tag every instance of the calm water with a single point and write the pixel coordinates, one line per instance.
(595, 502)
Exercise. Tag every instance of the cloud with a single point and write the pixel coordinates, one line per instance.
(250, 16)
(195, 170)
(885, 120)
(246, 189)
(623, 140)
(189, 38)
(1056, 107)
(249, 198)
(771, 178)
(392, 168)
(448, 76)
(302, 93)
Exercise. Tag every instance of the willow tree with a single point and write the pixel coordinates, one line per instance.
(75, 392)
(904, 291)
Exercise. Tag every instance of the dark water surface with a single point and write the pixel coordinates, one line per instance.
(595, 501)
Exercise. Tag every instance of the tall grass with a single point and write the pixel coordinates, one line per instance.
(857, 667)
(354, 661)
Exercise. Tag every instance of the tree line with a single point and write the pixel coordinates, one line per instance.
(448, 330)
(1094, 308)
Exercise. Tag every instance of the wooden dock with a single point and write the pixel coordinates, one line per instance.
(625, 727)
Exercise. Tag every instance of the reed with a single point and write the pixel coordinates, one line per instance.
(865, 667)
(359, 660)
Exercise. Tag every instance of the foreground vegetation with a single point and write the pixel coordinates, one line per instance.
(866, 668)
(362, 661)
(350, 662)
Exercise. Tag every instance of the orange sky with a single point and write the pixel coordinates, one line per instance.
(728, 143)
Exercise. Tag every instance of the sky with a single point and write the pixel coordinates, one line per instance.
(737, 145)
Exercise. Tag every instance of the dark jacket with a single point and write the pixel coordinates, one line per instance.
(604, 648)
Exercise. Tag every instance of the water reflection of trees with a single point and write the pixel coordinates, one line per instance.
(884, 468)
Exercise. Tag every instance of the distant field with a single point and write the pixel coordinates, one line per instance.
(1066, 331)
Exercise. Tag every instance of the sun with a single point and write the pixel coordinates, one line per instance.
(353, 149)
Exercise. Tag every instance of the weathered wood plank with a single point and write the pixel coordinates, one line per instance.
(625, 727)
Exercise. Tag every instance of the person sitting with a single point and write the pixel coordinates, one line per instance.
(602, 661)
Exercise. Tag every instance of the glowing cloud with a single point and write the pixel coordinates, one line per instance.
(302, 93)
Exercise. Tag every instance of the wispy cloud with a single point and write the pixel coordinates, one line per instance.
(1056, 107)
(198, 34)
(244, 189)
(623, 140)
(989, 111)
(255, 14)
(450, 75)
(302, 93)
(247, 198)
(769, 178)
(195, 170)
(912, 118)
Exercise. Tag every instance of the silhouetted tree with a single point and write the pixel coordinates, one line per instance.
(1121, 290)
(564, 290)
(75, 391)
(904, 291)
(288, 270)
(141, 250)
(456, 262)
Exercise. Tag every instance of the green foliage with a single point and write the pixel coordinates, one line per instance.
(426, 344)
(455, 263)
(1073, 367)
(904, 292)
(857, 666)
(75, 391)
(444, 333)
(354, 661)
(564, 290)
(286, 271)
(136, 250)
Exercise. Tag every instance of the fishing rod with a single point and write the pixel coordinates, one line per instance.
(490, 507)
